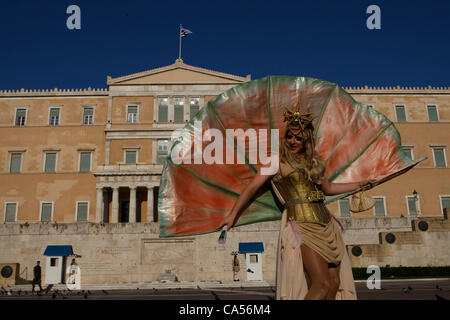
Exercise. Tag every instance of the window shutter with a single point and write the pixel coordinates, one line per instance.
(50, 162)
(179, 114)
(16, 159)
(344, 206)
(432, 113)
(54, 112)
(412, 206)
(401, 113)
(88, 111)
(439, 158)
(10, 212)
(85, 162)
(380, 211)
(194, 110)
(130, 157)
(445, 201)
(408, 152)
(46, 213)
(21, 112)
(82, 211)
(132, 109)
(163, 113)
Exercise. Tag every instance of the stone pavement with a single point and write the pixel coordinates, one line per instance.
(197, 284)
(155, 285)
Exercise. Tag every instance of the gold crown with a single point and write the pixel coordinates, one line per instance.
(295, 120)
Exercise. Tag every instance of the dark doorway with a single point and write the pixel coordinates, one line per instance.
(124, 211)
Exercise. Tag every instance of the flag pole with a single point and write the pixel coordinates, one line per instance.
(179, 47)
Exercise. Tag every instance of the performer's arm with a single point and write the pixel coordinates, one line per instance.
(245, 197)
(336, 188)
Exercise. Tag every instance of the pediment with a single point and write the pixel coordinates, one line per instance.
(178, 73)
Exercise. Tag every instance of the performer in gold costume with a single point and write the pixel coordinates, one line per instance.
(310, 242)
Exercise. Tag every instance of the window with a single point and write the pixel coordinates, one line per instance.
(132, 113)
(380, 207)
(163, 110)
(401, 113)
(54, 262)
(253, 258)
(85, 161)
(439, 157)
(194, 106)
(54, 116)
(88, 115)
(344, 207)
(130, 156)
(445, 203)
(21, 115)
(409, 152)
(411, 205)
(82, 211)
(10, 212)
(50, 162)
(46, 211)
(179, 110)
(163, 150)
(432, 113)
(16, 163)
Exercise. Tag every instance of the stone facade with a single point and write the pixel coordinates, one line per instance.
(133, 252)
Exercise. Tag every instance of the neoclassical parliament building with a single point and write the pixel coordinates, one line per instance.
(81, 168)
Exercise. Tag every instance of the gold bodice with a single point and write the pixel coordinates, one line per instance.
(302, 198)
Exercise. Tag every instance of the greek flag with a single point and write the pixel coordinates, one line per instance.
(184, 32)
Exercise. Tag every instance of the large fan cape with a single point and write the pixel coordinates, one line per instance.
(357, 142)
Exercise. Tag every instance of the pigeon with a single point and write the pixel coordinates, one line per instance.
(409, 288)
(89, 292)
(405, 290)
(105, 292)
(54, 295)
(85, 295)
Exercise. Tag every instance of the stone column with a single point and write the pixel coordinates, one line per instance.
(100, 205)
(115, 205)
(150, 204)
(132, 215)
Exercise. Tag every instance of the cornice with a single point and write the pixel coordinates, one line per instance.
(54, 92)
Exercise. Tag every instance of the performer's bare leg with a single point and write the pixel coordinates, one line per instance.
(317, 269)
(335, 282)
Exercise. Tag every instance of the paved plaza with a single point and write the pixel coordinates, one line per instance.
(426, 289)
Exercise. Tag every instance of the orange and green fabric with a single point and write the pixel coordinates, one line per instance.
(357, 142)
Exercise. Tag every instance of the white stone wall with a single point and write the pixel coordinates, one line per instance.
(125, 252)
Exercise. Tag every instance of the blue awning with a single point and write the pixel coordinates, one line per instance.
(60, 251)
(248, 247)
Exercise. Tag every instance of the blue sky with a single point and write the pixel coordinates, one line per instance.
(321, 39)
